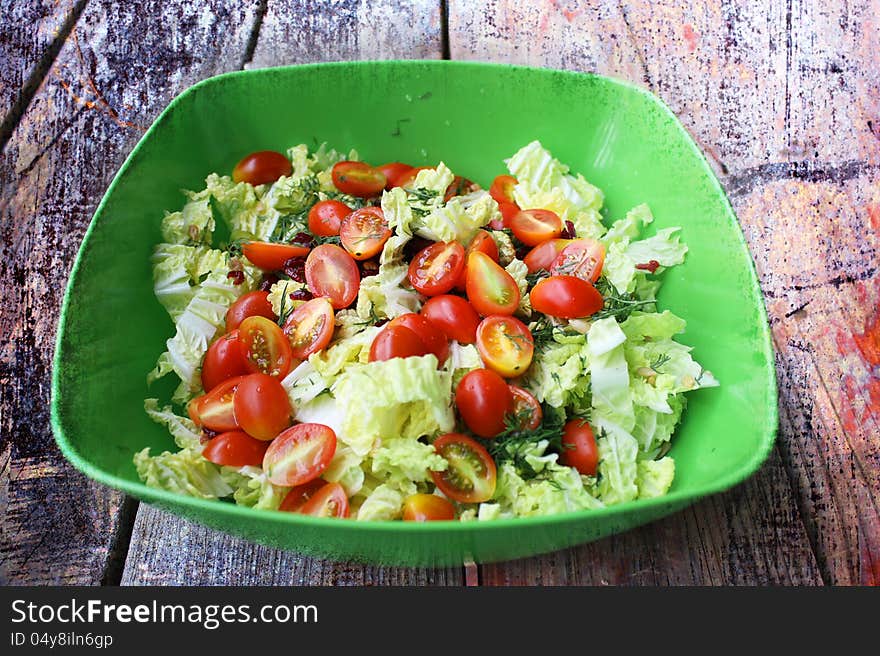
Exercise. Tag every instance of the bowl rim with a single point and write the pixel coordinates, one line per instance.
(675, 498)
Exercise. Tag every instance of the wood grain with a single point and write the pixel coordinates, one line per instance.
(120, 66)
(783, 98)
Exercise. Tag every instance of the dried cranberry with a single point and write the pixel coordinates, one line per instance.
(521, 251)
(268, 280)
(303, 239)
(414, 245)
(295, 267)
(369, 268)
(650, 267)
(207, 434)
(569, 232)
(236, 276)
(301, 295)
(381, 322)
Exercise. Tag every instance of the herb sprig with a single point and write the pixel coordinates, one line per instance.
(617, 305)
(513, 444)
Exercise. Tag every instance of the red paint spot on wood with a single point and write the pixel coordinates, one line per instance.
(874, 216)
(691, 37)
(869, 562)
(868, 342)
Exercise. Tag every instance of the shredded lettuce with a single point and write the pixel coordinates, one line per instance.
(186, 434)
(184, 472)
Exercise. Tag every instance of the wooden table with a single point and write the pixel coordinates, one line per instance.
(784, 98)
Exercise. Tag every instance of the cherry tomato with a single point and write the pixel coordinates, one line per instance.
(252, 304)
(267, 347)
(364, 232)
(215, 410)
(454, 316)
(396, 342)
(271, 257)
(262, 167)
(262, 407)
(580, 449)
(544, 255)
(432, 337)
(225, 358)
(326, 216)
(484, 401)
(565, 297)
(526, 407)
(297, 497)
(300, 454)
(490, 289)
(532, 227)
(393, 172)
(407, 179)
(482, 242)
(427, 508)
(470, 477)
(459, 187)
(310, 327)
(502, 189)
(332, 272)
(435, 269)
(358, 179)
(582, 258)
(329, 501)
(505, 344)
(508, 211)
(235, 449)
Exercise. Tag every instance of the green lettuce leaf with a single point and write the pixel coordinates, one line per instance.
(654, 477)
(559, 489)
(253, 489)
(617, 469)
(612, 398)
(346, 469)
(559, 373)
(384, 502)
(194, 224)
(400, 397)
(240, 207)
(186, 434)
(463, 358)
(518, 271)
(184, 472)
(401, 462)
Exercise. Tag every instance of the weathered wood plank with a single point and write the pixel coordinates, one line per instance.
(167, 551)
(120, 66)
(31, 33)
(292, 33)
(771, 91)
(338, 30)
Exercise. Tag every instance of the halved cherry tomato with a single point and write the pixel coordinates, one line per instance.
(358, 179)
(364, 232)
(332, 272)
(300, 454)
(470, 477)
(565, 297)
(394, 171)
(267, 347)
(271, 257)
(505, 344)
(297, 497)
(544, 255)
(579, 444)
(225, 358)
(482, 242)
(396, 342)
(582, 258)
(215, 410)
(262, 407)
(435, 269)
(310, 327)
(484, 401)
(235, 449)
(454, 316)
(459, 187)
(502, 189)
(526, 408)
(490, 289)
(252, 304)
(532, 227)
(508, 211)
(329, 501)
(326, 216)
(407, 179)
(427, 508)
(262, 167)
(434, 339)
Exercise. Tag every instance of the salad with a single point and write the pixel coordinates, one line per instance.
(396, 342)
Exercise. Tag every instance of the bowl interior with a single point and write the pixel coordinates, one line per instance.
(471, 116)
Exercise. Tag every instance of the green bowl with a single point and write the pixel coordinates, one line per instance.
(471, 116)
